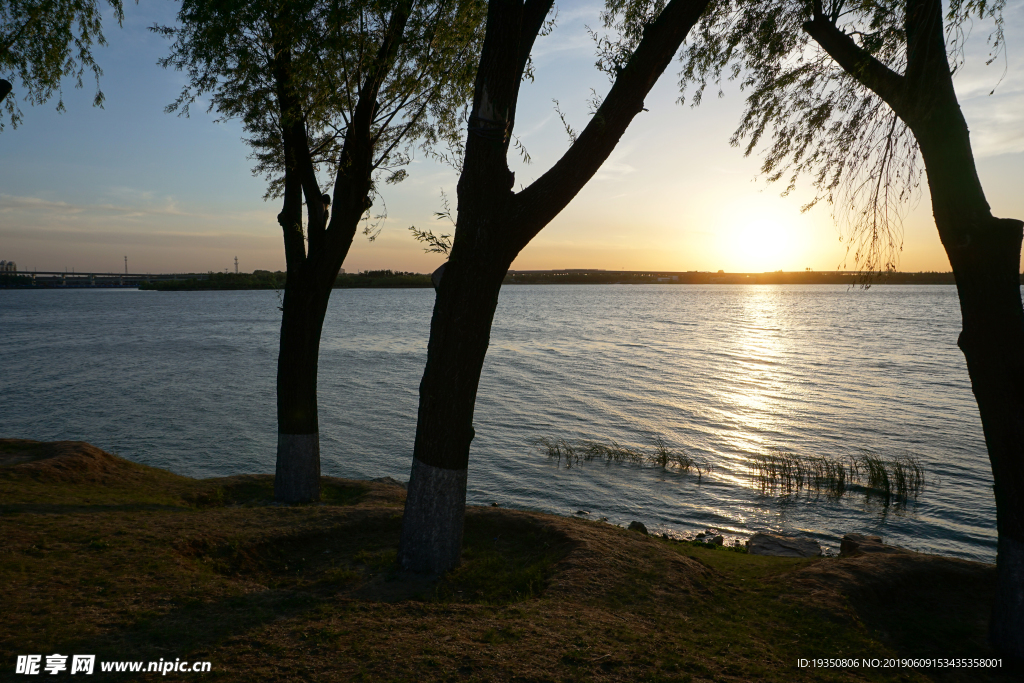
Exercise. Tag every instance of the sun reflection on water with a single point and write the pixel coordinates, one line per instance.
(750, 399)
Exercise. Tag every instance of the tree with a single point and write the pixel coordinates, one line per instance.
(42, 42)
(852, 93)
(319, 84)
(494, 224)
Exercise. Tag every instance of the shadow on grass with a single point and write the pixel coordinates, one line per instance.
(924, 607)
(258, 489)
(507, 558)
(195, 628)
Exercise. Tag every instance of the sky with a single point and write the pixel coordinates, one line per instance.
(80, 190)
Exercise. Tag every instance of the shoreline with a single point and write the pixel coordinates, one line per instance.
(408, 280)
(156, 565)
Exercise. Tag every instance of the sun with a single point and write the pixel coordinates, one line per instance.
(755, 240)
(763, 243)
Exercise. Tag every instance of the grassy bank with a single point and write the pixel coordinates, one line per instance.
(107, 557)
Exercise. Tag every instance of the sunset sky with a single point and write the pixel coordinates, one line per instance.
(83, 189)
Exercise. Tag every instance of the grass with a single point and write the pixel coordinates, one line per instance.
(132, 563)
(571, 454)
(895, 480)
(899, 478)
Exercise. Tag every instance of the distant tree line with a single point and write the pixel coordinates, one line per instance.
(260, 279)
(14, 280)
(382, 279)
(264, 279)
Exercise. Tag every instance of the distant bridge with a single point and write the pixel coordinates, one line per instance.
(106, 280)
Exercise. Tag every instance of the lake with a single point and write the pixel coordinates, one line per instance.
(185, 381)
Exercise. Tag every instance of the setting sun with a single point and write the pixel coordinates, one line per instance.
(764, 243)
(755, 238)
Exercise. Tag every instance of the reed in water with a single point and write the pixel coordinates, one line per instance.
(894, 479)
(571, 453)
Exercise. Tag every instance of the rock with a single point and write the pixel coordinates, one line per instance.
(582, 512)
(782, 546)
(718, 540)
(859, 544)
(638, 526)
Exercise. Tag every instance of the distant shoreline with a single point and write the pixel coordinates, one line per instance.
(806, 277)
(387, 279)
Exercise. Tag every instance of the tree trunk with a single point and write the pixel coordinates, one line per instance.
(494, 224)
(984, 253)
(297, 479)
(992, 341)
(460, 330)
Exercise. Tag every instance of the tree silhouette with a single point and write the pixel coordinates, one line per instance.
(328, 93)
(494, 224)
(856, 94)
(42, 42)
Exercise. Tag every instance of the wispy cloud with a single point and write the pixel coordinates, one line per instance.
(992, 95)
(569, 33)
(137, 207)
(615, 168)
(42, 206)
(151, 238)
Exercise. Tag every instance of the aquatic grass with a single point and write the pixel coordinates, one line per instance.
(781, 471)
(571, 454)
(877, 473)
(896, 479)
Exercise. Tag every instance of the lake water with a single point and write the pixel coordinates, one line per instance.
(185, 381)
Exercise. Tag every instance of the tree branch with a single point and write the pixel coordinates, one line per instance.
(357, 151)
(548, 195)
(34, 15)
(926, 50)
(298, 159)
(534, 13)
(856, 61)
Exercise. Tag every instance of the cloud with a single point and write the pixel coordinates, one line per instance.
(137, 207)
(569, 33)
(992, 96)
(153, 238)
(615, 167)
(995, 122)
(41, 206)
